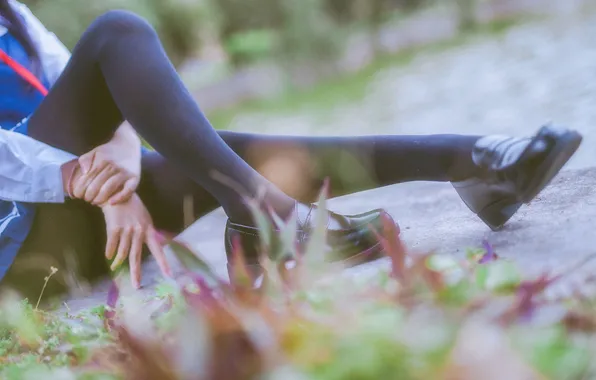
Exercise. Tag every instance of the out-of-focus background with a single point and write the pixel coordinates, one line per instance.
(373, 66)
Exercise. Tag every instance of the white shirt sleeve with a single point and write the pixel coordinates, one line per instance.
(30, 171)
(52, 52)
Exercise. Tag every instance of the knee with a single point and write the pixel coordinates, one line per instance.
(120, 23)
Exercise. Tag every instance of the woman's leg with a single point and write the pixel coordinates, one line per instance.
(352, 164)
(165, 190)
(300, 164)
(119, 71)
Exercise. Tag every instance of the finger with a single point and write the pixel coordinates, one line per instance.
(136, 251)
(86, 161)
(112, 243)
(123, 248)
(83, 182)
(127, 191)
(96, 184)
(92, 163)
(79, 186)
(111, 186)
(157, 251)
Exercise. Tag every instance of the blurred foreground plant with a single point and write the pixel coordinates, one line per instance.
(426, 317)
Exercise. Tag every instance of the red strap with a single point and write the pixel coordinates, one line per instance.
(23, 73)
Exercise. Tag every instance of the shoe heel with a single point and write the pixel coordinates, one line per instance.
(480, 199)
(497, 214)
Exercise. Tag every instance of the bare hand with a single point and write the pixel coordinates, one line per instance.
(129, 227)
(110, 174)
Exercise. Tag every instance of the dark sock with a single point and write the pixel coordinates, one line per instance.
(425, 158)
(356, 163)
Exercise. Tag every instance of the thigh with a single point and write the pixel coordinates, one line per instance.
(79, 113)
(170, 196)
(69, 237)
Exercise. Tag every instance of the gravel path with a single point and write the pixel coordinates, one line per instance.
(535, 73)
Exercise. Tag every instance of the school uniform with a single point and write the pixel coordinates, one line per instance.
(29, 170)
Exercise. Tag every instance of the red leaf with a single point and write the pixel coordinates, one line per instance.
(233, 354)
(111, 303)
(240, 274)
(393, 246)
(535, 287)
(146, 361)
(113, 295)
(526, 304)
(420, 269)
(204, 298)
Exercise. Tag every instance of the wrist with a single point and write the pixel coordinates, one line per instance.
(70, 171)
(107, 206)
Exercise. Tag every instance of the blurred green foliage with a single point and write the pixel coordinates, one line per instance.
(250, 46)
(248, 30)
(178, 22)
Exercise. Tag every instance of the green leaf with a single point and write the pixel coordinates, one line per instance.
(263, 224)
(288, 234)
(554, 353)
(456, 295)
(502, 276)
(481, 275)
(193, 263)
(316, 245)
(165, 289)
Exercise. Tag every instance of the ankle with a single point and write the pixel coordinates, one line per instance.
(462, 166)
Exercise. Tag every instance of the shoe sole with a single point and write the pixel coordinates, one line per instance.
(503, 210)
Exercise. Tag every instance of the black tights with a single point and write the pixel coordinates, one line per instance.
(119, 71)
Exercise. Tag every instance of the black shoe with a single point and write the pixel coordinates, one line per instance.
(352, 239)
(514, 171)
